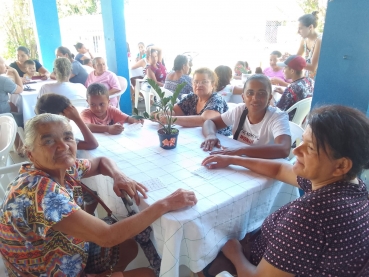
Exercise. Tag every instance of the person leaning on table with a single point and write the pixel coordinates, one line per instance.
(43, 230)
(265, 129)
(326, 231)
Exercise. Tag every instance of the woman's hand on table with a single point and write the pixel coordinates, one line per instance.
(180, 199)
(115, 129)
(228, 151)
(44, 78)
(122, 182)
(216, 161)
(210, 142)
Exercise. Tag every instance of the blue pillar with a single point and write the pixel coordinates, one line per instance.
(115, 44)
(343, 72)
(47, 30)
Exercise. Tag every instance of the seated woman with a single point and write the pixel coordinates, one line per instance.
(224, 87)
(179, 75)
(239, 67)
(63, 70)
(23, 54)
(41, 217)
(263, 128)
(103, 76)
(324, 232)
(274, 72)
(156, 70)
(79, 74)
(59, 104)
(142, 53)
(83, 52)
(202, 104)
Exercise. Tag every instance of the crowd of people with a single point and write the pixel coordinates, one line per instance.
(46, 224)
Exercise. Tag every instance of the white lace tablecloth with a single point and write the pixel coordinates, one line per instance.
(231, 201)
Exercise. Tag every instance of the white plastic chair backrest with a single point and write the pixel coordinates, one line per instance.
(79, 102)
(224, 274)
(302, 109)
(7, 175)
(123, 83)
(8, 131)
(296, 135)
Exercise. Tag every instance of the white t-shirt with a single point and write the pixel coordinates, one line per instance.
(274, 124)
(70, 90)
(226, 93)
(89, 69)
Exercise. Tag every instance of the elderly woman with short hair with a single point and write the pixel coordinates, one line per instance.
(63, 70)
(43, 230)
(102, 75)
(326, 231)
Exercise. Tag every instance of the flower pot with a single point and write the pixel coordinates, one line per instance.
(168, 141)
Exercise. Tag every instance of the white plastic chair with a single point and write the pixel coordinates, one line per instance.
(302, 109)
(7, 175)
(8, 131)
(224, 274)
(123, 85)
(296, 135)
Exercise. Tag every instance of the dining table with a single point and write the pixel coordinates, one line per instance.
(27, 99)
(231, 201)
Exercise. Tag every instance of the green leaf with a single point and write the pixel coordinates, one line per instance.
(155, 86)
(176, 92)
(138, 117)
(146, 115)
(135, 111)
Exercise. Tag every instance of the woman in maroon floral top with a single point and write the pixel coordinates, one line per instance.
(156, 70)
(326, 231)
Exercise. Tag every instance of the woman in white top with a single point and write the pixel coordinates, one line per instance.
(264, 129)
(63, 70)
(224, 87)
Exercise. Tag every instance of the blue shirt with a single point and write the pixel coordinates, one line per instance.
(79, 72)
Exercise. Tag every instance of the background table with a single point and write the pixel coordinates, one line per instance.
(234, 201)
(26, 101)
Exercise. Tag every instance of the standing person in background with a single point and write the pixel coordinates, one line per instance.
(79, 74)
(156, 70)
(310, 43)
(105, 77)
(142, 53)
(82, 51)
(178, 75)
(274, 72)
(23, 54)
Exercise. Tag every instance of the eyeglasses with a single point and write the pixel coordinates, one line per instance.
(203, 82)
(259, 94)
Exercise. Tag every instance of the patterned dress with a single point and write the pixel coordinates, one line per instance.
(323, 233)
(296, 91)
(215, 103)
(33, 204)
(172, 85)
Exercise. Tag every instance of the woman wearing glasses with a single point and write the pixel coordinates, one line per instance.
(254, 123)
(201, 104)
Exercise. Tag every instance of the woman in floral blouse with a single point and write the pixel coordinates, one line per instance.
(201, 104)
(44, 231)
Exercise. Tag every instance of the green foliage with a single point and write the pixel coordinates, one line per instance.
(164, 108)
(310, 6)
(18, 26)
(77, 7)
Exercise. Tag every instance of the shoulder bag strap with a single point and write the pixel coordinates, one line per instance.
(240, 124)
(96, 197)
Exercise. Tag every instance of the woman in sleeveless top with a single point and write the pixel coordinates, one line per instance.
(310, 43)
(156, 70)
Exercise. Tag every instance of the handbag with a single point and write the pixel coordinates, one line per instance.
(240, 124)
(101, 259)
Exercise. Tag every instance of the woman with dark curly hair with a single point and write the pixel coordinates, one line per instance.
(324, 232)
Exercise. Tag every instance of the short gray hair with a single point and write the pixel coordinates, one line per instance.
(31, 128)
(94, 60)
(63, 68)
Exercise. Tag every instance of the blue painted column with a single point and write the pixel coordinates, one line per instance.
(343, 72)
(47, 30)
(115, 44)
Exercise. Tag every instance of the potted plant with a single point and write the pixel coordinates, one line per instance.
(168, 135)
